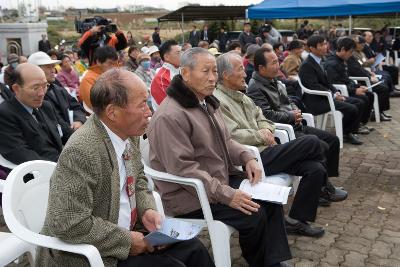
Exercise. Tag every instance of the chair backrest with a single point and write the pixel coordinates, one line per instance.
(6, 163)
(25, 196)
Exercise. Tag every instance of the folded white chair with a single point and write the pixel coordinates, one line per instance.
(6, 163)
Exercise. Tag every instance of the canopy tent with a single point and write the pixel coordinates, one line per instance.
(278, 9)
(194, 12)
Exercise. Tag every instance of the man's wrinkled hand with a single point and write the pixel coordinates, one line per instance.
(242, 201)
(151, 220)
(139, 245)
(254, 171)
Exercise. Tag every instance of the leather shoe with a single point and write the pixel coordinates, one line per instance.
(304, 229)
(363, 130)
(394, 94)
(352, 139)
(334, 195)
(322, 202)
(384, 118)
(386, 114)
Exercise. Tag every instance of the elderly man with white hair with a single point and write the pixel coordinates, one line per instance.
(188, 137)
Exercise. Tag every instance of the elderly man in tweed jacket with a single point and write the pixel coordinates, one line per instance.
(98, 189)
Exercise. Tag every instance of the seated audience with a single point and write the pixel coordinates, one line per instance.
(29, 128)
(13, 61)
(355, 69)
(94, 199)
(188, 138)
(170, 52)
(132, 63)
(291, 64)
(313, 76)
(58, 96)
(105, 58)
(278, 50)
(249, 68)
(146, 74)
(336, 70)
(156, 61)
(68, 76)
(388, 71)
(302, 156)
(270, 95)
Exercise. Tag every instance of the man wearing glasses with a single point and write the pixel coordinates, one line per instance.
(29, 128)
(58, 96)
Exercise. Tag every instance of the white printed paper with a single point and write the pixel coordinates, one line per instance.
(172, 231)
(378, 59)
(266, 191)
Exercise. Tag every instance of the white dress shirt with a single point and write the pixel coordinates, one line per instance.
(124, 217)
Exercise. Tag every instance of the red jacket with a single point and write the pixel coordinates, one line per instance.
(161, 81)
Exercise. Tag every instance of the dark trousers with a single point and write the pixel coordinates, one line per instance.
(367, 104)
(262, 235)
(303, 157)
(383, 97)
(387, 79)
(394, 73)
(351, 109)
(330, 146)
(191, 253)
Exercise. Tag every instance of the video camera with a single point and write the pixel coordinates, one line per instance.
(88, 23)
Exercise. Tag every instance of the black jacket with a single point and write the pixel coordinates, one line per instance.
(21, 136)
(5, 93)
(62, 101)
(44, 46)
(337, 72)
(314, 77)
(271, 98)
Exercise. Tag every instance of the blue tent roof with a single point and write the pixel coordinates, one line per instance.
(282, 9)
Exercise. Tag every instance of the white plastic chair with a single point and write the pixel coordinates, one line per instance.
(11, 247)
(25, 205)
(322, 119)
(376, 100)
(6, 163)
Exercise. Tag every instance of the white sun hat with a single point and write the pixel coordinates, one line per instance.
(41, 58)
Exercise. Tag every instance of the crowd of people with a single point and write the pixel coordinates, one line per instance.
(198, 104)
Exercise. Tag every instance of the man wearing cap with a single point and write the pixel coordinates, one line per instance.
(246, 36)
(29, 127)
(155, 59)
(58, 96)
(145, 73)
(291, 64)
(13, 61)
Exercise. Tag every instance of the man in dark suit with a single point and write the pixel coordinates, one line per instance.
(337, 73)
(44, 44)
(313, 76)
(204, 34)
(194, 37)
(156, 37)
(58, 96)
(29, 128)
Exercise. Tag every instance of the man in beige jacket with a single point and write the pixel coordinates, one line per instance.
(188, 137)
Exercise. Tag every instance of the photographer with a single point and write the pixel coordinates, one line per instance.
(99, 35)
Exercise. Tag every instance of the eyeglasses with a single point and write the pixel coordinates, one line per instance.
(43, 86)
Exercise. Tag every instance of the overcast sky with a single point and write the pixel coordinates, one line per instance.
(168, 4)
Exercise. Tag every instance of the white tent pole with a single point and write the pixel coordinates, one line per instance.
(350, 24)
(183, 31)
